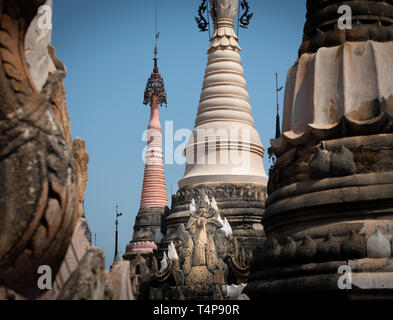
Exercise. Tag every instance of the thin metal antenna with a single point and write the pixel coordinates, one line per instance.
(157, 35)
(238, 18)
(95, 239)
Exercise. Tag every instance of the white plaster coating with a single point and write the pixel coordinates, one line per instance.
(36, 51)
(172, 254)
(164, 263)
(378, 246)
(119, 280)
(227, 228)
(372, 280)
(214, 204)
(233, 291)
(224, 106)
(226, 9)
(345, 80)
(192, 206)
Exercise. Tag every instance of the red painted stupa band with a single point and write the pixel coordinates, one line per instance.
(154, 186)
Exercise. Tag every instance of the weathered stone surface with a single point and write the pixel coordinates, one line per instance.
(320, 164)
(329, 249)
(378, 246)
(342, 163)
(306, 251)
(141, 275)
(288, 250)
(75, 253)
(242, 204)
(339, 105)
(88, 281)
(371, 20)
(202, 258)
(315, 112)
(147, 221)
(7, 294)
(81, 160)
(272, 250)
(234, 292)
(119, 281)
(355, 247)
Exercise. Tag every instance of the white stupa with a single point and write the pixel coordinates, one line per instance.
(224, 146)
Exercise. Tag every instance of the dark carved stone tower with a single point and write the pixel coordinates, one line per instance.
(224, 130)
(330, 200)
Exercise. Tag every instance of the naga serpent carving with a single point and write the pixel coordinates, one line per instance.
(38, 175)
(200, 20)
(244, 20)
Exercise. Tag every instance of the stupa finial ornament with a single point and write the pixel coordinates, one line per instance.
(224, 13)
(155, 86)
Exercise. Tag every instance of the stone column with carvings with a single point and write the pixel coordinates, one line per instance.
(331, 190)
(224, 153)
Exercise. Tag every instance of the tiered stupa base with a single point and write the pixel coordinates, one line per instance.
(147, 222)
(328, 208)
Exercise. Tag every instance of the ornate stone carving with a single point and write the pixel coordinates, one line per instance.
(224, 14)
(204, 257)
(88, 281)
(241, 204)
(220, 192)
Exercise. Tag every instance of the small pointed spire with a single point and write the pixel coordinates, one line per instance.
(116, 257)
(278, 129)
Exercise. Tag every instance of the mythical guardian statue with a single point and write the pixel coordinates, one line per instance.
(203, 259)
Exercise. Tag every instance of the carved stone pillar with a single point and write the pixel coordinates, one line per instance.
(38, 174)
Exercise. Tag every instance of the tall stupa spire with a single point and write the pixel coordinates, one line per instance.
(233, 151)
(224, 152)
(154, 200)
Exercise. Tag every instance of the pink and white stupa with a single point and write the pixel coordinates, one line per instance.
(154, 187)
(154, 201)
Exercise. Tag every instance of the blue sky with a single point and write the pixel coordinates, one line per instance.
(107, 48)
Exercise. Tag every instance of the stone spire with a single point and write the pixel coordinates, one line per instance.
(224, 153)
(154, 200)
(224, 147)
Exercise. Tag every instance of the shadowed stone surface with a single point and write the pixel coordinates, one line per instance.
(88, 281)
(39, 198)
